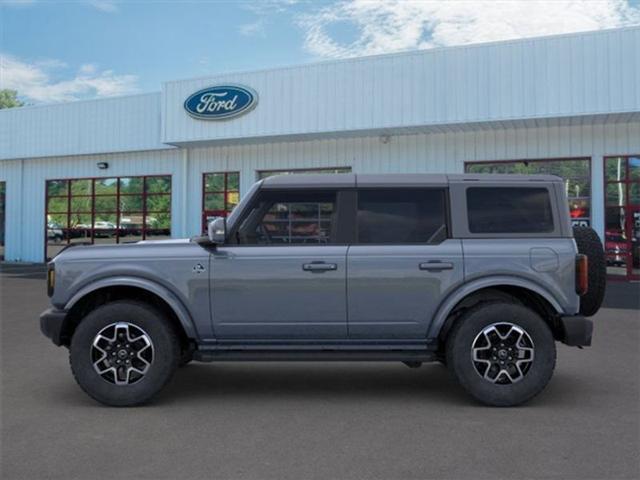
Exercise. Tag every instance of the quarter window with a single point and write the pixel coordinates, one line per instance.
(401, 216)
(509, 210)
(290, 218)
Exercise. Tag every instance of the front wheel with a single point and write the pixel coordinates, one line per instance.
(503, 354)
(123, 353)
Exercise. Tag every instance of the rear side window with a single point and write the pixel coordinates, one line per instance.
(509, 210)
(401, 216)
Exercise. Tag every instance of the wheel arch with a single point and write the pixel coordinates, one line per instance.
(120, 288)
(497, 288)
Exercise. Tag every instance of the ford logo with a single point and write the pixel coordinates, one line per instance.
(221, 102)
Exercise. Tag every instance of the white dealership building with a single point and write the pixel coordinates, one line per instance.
(157, 165)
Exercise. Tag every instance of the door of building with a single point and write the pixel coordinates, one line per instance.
(622, 217)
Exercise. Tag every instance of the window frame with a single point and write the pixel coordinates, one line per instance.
(345, 201)
(302, 171)
(446, 206)
(144, 194)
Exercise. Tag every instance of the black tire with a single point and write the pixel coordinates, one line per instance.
(467, 329)
(186, 357)
(589, 244)
(166, 353)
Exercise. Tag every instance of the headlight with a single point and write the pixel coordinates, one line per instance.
(51, 278)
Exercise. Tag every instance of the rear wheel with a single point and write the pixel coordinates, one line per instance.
(503, 354)
(123, 353)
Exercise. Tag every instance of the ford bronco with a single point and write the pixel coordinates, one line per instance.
(483, 273)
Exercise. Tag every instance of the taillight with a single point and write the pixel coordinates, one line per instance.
(582, 274)
(51, 278)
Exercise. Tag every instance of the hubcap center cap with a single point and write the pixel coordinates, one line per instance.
(502, 354)
(122, 353)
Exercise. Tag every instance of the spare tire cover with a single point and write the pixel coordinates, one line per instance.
(589, 244)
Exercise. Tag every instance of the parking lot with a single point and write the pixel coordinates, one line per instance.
(318, 420)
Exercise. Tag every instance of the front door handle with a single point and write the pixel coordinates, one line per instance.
(436, 266)
(319, 267)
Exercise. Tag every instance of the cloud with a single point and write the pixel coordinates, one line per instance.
(108, 6)
(40, 83)
(253, 29)
(395, 25)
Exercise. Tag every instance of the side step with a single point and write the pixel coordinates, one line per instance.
(320, 355)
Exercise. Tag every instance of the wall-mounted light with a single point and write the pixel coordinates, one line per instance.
(102, 165)
(384, 138)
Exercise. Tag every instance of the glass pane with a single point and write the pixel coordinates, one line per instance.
(159, 221)
(615, 169)
(401, 216)
(57, 220)
(80, 221)
(214, 201)
(158, 203)
(57, 204)
(79, 236)
(57, 187)
(130, 236)
(634, 193)
(233, 181)
(578, 187)
(579, 208)
(616, 244)
(634, 168)
(131, 185)
(103, 236)
(80, 187)
(131, 203)
(55, 234)
(81, 204)
(132, 223)
(616, 194)
(232, 200)
(105, 221)
(106, 186)
(635, 244)
(214, 182)
(106, 204)
(159, 184)
(509, 210)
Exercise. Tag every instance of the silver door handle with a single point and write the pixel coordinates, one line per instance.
(436, 266)
(319, 267)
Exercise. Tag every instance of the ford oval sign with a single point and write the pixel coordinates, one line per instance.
(221, 102)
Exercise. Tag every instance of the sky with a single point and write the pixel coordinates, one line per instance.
(57, 51)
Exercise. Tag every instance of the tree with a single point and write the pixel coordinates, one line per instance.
(9, 99)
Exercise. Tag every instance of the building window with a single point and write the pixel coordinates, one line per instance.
(107, 210)
(622, 216)
(3, 187)
(576, 173)
(220, 194)
(269, 173)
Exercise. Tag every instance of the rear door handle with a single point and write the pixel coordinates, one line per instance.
(319, 267)
(436, 266)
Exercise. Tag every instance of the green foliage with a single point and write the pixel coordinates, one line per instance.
(9, 99)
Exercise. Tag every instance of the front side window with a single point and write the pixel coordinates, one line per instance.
(509, 210)
(401, 216)
(290, 218)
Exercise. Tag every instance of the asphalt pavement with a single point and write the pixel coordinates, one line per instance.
(315, 420)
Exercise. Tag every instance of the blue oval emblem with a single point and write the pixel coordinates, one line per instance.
(221, 102)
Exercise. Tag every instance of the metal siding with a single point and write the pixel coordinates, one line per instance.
(120, 124)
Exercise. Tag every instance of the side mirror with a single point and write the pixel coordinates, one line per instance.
(217, 230)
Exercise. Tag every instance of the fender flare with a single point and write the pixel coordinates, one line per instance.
(181, 312)
(467, 289)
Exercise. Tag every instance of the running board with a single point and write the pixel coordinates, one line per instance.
(221, 355)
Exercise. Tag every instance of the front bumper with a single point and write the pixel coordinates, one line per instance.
(51, 323)
(576, 331)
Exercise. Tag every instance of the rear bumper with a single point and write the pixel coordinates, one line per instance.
(576, 331)
(51, 322)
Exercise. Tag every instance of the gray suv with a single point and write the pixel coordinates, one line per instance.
(480, 272)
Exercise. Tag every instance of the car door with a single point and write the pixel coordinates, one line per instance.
(285, 278)
(402, 264)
